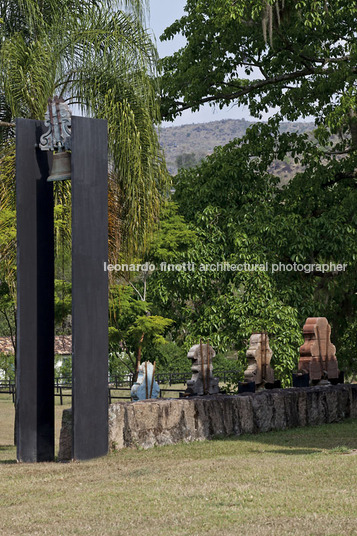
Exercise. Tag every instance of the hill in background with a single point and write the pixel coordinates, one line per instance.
(186, 145)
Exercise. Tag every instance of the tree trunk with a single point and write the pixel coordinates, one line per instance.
(353, 128)
(138, 358)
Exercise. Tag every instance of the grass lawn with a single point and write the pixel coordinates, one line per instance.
(297, 482)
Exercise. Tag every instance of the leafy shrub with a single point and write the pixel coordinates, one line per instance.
(7, 365)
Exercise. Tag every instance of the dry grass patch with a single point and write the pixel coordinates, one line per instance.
(7, 415)
(297, 482)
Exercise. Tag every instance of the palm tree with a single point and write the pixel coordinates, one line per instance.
(97, 55)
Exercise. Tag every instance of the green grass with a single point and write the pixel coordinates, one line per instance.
(297, 482)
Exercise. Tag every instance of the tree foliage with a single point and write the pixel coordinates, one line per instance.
(99, 58)
(240, 214)
(306, 66)
(134, 332)
(187, 160)
(222, 305)
(299, 59)
(97, 55)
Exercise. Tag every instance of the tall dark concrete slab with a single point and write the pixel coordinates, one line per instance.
(35, 291)
(89, 287)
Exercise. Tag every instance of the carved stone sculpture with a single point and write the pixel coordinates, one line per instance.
(259, 356)
(202, 381)
(145, 386)
(318, 354)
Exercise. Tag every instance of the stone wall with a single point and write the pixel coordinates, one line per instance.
(168, 421)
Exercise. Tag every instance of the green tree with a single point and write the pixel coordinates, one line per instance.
(186, 160)
(139, 324)
(7, 314)
(98, 57)
(169, 245)
(171, 357)
(240, 215)
(296, 56)
(134, 332)
(7, 367)
(7, 273)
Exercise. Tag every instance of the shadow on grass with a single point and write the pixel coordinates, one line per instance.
(306, 440)
(293, 452)
(7, 448)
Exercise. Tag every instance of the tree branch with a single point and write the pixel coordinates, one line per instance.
(136, 290)
(287, 77)
(5, 124)
(340, 177)
(346, 151)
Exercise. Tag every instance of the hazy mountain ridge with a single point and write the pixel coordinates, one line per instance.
(198, 140)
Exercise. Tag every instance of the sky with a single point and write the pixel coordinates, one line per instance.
(162, 14)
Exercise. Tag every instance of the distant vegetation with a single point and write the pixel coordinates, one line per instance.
(297, 59)
(185, 146)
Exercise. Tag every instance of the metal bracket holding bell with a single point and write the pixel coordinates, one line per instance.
(58, 138)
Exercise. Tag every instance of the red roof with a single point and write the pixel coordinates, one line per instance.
(63, 345)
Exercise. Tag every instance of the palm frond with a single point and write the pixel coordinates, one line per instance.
(96, 54)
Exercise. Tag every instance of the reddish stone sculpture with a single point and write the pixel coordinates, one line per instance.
(318, 354)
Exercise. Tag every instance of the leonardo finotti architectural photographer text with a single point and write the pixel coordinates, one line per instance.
(226, 267)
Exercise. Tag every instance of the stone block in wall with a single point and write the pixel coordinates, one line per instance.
(168, 421)
(352, 406)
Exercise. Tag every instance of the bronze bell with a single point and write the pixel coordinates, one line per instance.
(61, 167)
